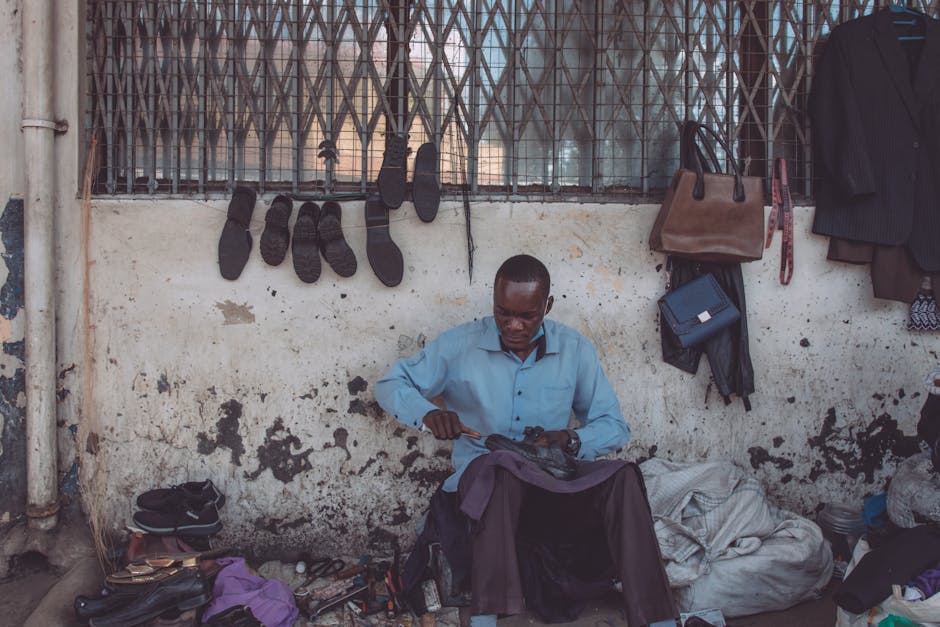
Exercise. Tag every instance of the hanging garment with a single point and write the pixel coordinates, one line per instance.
(875, 109)
(727, 352)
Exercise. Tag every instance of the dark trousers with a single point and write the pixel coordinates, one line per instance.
(616, 511)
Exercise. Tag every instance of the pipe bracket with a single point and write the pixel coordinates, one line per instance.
(62, 126)
(36, 511)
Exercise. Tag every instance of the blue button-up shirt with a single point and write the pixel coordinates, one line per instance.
(493, 391)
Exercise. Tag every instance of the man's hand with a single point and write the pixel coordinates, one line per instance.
(552, 438)
(446, 425)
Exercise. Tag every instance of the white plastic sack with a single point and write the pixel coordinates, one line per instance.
(791, 565)
(926, 611)
(726, 546)
(915, 488)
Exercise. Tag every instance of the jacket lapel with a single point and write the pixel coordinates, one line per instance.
(896, 61)
(925, 81)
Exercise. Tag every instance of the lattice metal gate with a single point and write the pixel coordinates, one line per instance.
(526, 98)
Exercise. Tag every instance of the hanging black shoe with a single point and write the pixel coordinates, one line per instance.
(235, 241)
(425, 190)
(391, 179)
(305, 243)
(332, 242)
(384, 255)
(276, 235)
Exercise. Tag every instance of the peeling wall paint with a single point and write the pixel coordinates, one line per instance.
(12, 365)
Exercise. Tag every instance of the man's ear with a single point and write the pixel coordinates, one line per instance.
(548, 304)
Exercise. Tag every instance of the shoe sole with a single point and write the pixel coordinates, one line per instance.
(304, 251)
(333, 244)
(275, 239)
(234, 249)
(384, 254)
(425, 191)
(391, 179)
(205, 529)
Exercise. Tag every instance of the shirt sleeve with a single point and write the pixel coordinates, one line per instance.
(603, 427)
(404, 391)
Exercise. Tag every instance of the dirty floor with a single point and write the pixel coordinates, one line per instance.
(35, 597)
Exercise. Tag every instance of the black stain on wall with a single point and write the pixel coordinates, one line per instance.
(382, 540)
(408, 460)
(858, 452)
(340, 438)
(429, 478)
(760, 456)
(163, 385)
(12, 384)
(279, 525)
(358, 406)
(277, 454)
(230, 414)
(357, 385)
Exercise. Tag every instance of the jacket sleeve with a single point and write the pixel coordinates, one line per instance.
(404, 390)
(838, 132)
(603, 428)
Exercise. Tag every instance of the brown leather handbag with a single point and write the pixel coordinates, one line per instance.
(710, 216)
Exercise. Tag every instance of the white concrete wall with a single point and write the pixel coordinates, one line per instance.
(257, 383)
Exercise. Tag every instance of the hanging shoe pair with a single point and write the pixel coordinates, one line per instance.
(384, 254)
(425, 189)
(316, 231)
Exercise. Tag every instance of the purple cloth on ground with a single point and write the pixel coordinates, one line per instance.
(270, 600)
(928, 581)
(476, 483)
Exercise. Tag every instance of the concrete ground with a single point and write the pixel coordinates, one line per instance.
(38, 591)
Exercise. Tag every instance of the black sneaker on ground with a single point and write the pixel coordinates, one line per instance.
(189, 521)
(196, 494)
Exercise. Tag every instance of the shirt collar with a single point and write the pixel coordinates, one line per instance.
(547, 344)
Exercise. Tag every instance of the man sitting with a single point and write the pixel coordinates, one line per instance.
(502, 374)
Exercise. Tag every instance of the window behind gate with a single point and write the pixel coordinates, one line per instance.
(567, 99)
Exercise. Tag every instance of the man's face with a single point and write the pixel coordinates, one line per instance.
(519, 309)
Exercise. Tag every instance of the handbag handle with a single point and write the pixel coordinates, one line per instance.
(693, 134)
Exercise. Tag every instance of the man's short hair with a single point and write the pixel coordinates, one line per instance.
(525, 269)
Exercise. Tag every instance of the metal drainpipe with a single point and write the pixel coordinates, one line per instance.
(39, 258)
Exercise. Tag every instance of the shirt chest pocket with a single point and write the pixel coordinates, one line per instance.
(555, 406)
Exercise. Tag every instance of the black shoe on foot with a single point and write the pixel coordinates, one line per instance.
(276, 237)
(305, 243)
(332, 243)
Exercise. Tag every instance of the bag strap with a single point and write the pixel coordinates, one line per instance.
(782, 204)
(691, 152)
(694, 134)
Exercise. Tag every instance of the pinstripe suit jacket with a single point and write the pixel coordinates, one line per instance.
(876, 135)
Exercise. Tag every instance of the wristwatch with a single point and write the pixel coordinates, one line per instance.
(574, 442)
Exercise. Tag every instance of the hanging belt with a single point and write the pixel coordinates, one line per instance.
(782, 204)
